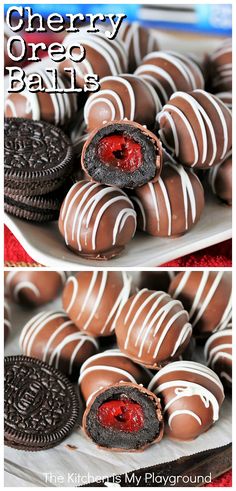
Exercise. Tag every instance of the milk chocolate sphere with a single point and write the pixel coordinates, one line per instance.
(7, 320)
(155, 280)
(220, 180)
(196, 127)
(34, 288)
(94, 299)
(221, 67)
(109, 368)
(138, 42)
(103, 57)
(207, 296)
(55, 107)
(120, 97)
(172, 205)
(152, 328)
(97, 221)
(218, 355)
(169, 72)
(226, 98)
(52, 337)
(192, 395)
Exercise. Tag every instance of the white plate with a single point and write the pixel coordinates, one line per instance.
(46, 246)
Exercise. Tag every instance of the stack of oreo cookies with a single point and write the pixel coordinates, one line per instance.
(37, 163)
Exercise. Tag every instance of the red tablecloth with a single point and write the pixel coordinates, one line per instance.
(219, 255)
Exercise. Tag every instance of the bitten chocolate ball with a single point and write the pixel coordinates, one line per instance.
(109, 368)
(103, 57)
(172, 205)
(152, 328)
(220, 180)
(169, 72)
(221, 67)
(34, 288)
(55, 107)
(218, 355)
(192, 395)
(52, 337)
(156, 280)
(124, 417)
(7, 320)
(123, 154)
(196, 127)
(94, 299)
(122, 97)
(207, 296)
(138, 42)
(97, 221)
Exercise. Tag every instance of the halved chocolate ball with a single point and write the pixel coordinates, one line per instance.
(124, 417)
(123, 154)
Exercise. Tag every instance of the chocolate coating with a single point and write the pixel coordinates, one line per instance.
(226, 98)
(172, 205)
(138, 43)
(93, 300)
(116, 439)
(220, 180)
(170, 72)
(192, 395)
(7, 320)
(124, 96)
(207, 297)
(97, 221)
(34, 288)
(196, 127)
(109, 368)
(155, 280)
(52, 337)
(221, 67)
(218, 355)
(56, 108)
(152, 328)
(103, 57)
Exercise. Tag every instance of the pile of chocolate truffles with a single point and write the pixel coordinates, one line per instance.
(139, 143)
(130, 343)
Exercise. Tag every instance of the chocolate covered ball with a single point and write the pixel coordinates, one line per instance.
(196, 127)
(207, 296)
(109, 368)
(97, 221)
(7, 320)
(192, 395)
(169, 72)
(55, 107)
(226, 98)
(220, 180)
(218, 355)
(155, 280)
(221, 67)
(123, 154)
(172, 205)
(103, 57)
(152, 328)
(34, 288)
(94, 299)
(138, 42)
(52, 337)
(122, 97)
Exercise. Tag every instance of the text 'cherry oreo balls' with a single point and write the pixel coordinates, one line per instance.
(220, 180)
(171, 205)
(97, 221)
(52, 337)
(218, 354)
(94, 299)
(152, 328)
(34, 288)
(123, 154)
(207, 296)
(124, 417)
(109, 368)
(197, 128)
(192, 395)
(122, 97)
(138, 42)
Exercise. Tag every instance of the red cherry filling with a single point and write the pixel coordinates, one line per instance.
(123, 415)
(120, 151)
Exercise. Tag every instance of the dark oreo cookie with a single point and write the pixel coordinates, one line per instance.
(38, 209)
(41, 407)
(37, 156)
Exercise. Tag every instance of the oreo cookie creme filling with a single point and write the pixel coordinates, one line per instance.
(123, 154)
